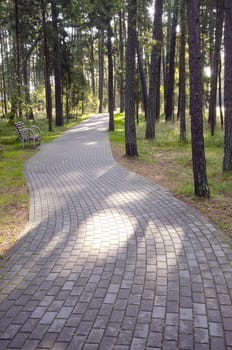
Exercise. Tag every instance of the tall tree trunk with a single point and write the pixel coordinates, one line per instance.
(227, 161)
(154, 79)
(57, 67)
(171, 67)
(215, 65)
(220, 94)
(142, 79)
(18, 62)
(101, 70)
(166, 46)
(198, 150)
(121, 62)
(3, 72)
(46, 71)
(26, 83)
(110, 77)
(182, 74)
(92, 63)
(130, 101)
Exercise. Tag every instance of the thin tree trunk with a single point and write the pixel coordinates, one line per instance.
(121, 63)
(57, 67)
(220, 94)
(92, 62)
(142, 79)
(130, 101)
(171, 71)
(18, 61)
(182, 74)
(201, 187)
(46, 72)
(166, 48)
(154, 79)
(3, 72)
(227, 161)
(110, 78)
(215, 65)
(101, 70)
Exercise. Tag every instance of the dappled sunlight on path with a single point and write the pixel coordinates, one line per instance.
(110, 260)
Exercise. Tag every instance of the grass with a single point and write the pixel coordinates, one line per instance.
(168, 162)
(14, 196)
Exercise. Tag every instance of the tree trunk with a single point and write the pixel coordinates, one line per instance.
(18, 61)
(215, 65)
(130, 101)
(154, 79)
(220, 94)
(142, 79)
(46, 71)
(198, 151)
(166, 48)
(182, 74)
(92, 63)
(110, 77)
(121, 62)
(227, 161)
(101, 70)
(171, 67)
(57, 67)
(3, 73)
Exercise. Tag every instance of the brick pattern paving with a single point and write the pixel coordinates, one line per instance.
(110, 260)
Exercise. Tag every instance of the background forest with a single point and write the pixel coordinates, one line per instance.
(163, 62)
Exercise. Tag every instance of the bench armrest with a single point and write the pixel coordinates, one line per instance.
(36, 127)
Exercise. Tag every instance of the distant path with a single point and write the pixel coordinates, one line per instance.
(110, 260)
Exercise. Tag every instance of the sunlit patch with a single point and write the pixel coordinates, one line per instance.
(90, 143)
(106, 231)
(126, 197)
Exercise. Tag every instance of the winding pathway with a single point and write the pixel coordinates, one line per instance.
(110, 260)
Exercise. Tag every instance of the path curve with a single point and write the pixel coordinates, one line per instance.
(110, 260)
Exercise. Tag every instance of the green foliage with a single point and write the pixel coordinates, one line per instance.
(119, 134)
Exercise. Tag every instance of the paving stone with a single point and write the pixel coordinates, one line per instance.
(111, 260)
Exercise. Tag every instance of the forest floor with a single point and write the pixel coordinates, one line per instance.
(169, 174)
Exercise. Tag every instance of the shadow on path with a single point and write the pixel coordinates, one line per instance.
(110, 260)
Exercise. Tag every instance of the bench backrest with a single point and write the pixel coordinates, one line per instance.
(21, 129)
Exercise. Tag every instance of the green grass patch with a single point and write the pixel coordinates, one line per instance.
(14, 196)
(177, 154)
(171, 161)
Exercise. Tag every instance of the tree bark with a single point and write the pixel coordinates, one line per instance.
(182, 74)
(3, 72)
(201, 187)
(227, 161)
(154, 79)
(171, 67)
(48, 91)
(130, 101)
(110, 77)
(142, 79)
(220, 94)
(92, 63)
(101, 70)
(57, 67)
(215, 65)
(121, 62)
(18, 62)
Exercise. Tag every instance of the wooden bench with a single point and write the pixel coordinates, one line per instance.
(30, 135)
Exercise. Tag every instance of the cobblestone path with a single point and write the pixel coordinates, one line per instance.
(110, 260)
